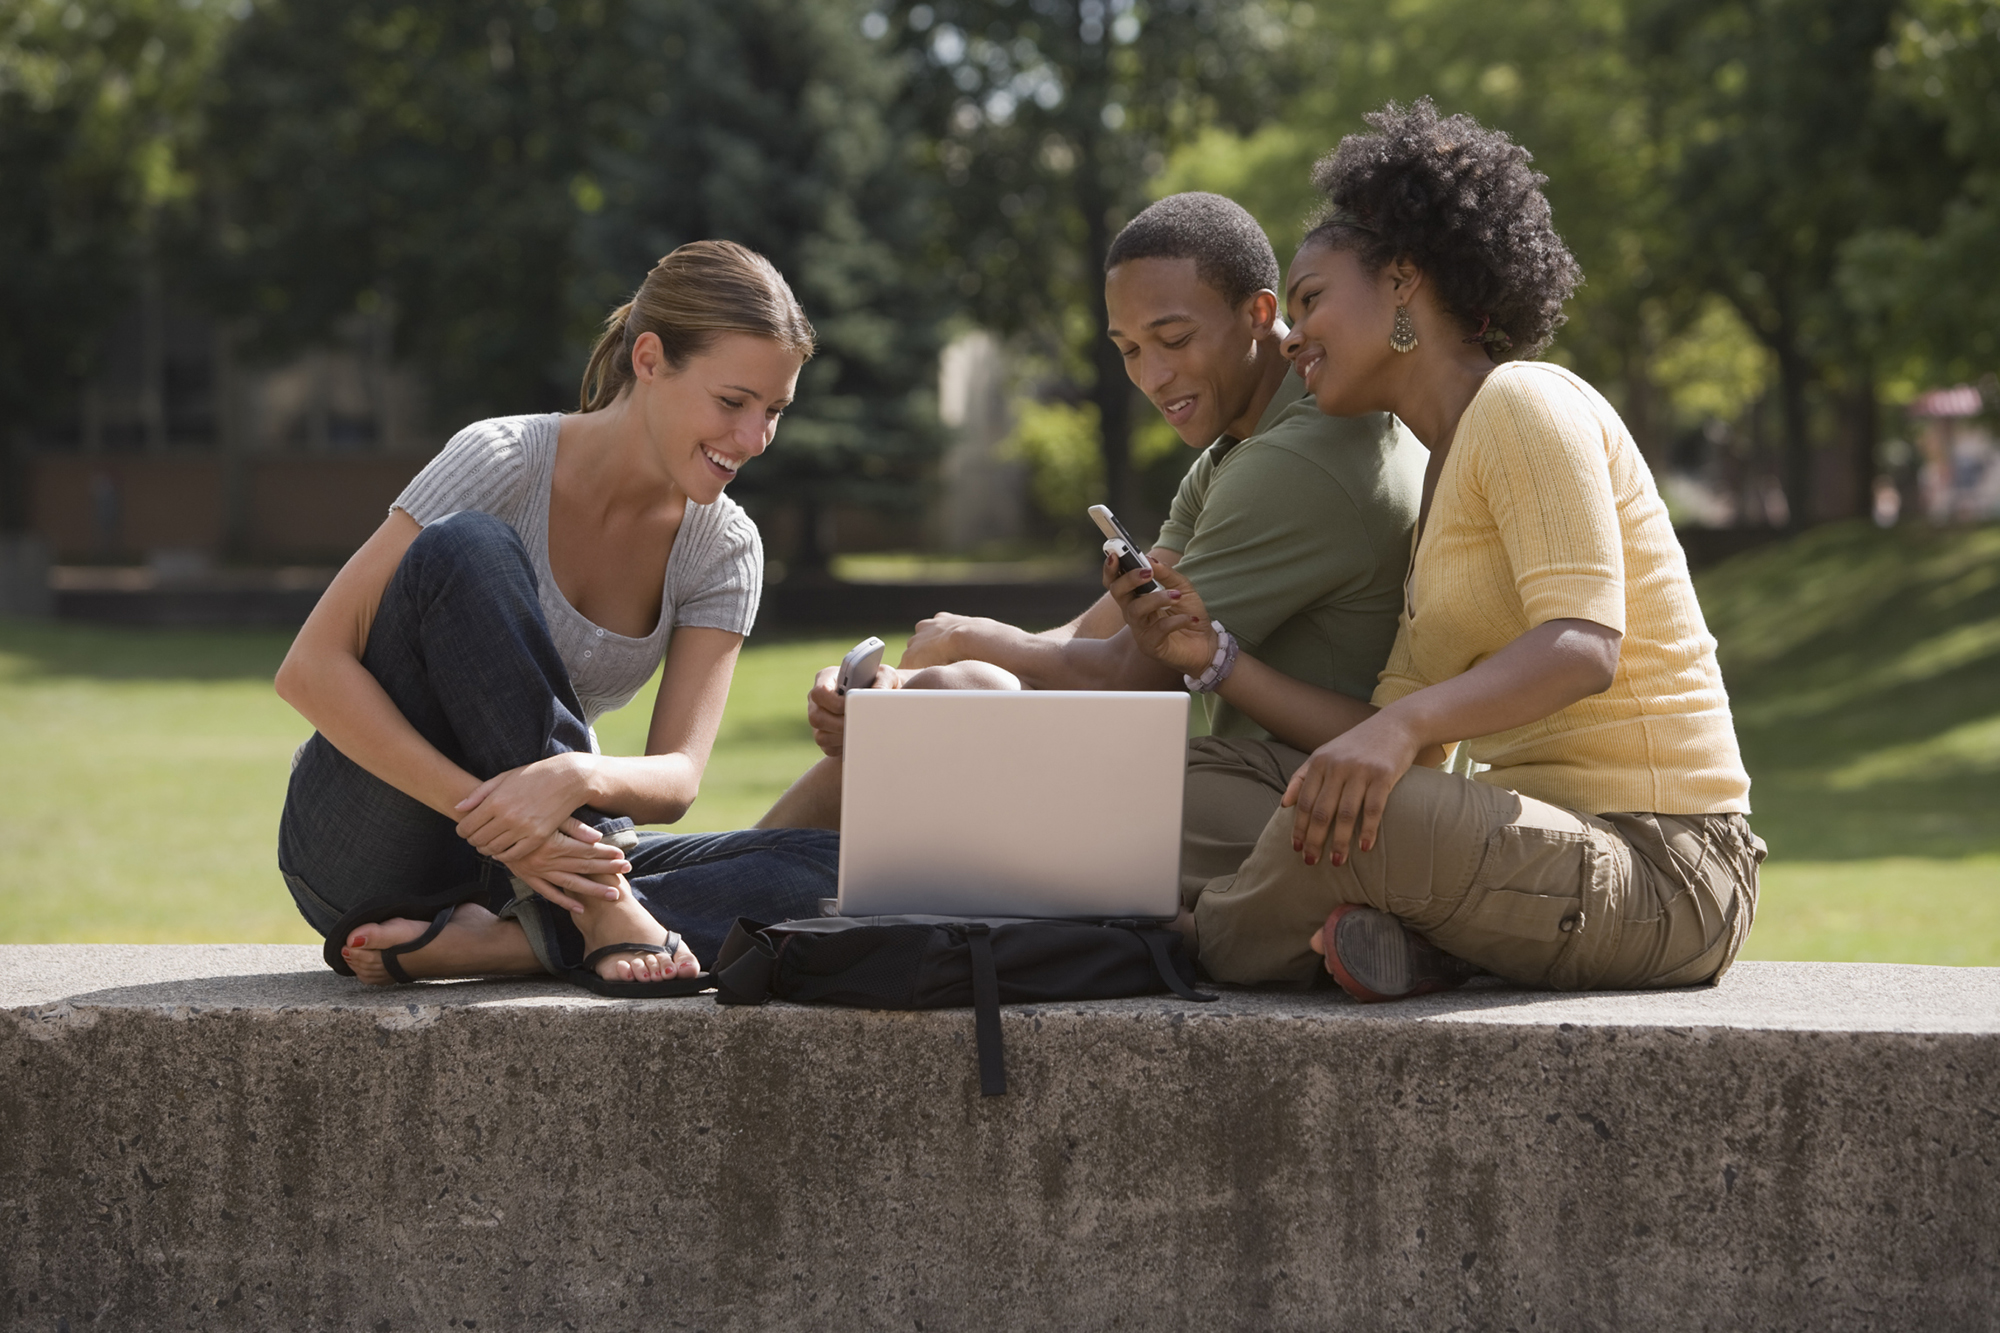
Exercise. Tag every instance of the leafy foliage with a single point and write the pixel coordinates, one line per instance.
(1930, 289)
(1784, 146)
(493, 177)
(485, 177)
(1048, 121)
(1774, 155)
(1059, 443)
(98, 122)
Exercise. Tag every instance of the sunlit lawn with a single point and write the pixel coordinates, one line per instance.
(141, 772)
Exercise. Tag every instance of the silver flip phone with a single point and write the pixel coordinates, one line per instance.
(1129, 558)
(857, 669)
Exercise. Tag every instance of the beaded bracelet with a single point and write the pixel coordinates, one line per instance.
(1219, 669)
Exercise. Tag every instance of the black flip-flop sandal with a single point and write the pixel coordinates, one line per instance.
(537, 916)
(586, 976)
(368, 914)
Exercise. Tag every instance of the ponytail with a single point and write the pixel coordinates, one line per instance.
(692, 297)
(610, 368)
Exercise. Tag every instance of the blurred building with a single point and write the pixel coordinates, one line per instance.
(1957, 461)
(183, 451)
(984, 491)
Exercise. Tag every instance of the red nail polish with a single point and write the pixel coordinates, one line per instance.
(1298, 846)
(1339, 859)
(1311, 860)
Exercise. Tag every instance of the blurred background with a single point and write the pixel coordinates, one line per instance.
(259, 260)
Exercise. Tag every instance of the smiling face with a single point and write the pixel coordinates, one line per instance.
(709, 417)
(1341, 316)
(1186, 348)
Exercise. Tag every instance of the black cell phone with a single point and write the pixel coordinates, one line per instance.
(857, 669)
(1129, 558)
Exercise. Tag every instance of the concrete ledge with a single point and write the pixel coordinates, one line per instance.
(231, 1137)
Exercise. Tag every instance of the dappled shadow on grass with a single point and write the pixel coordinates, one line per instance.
(1859, 664)
(40, 650)
(1802, 819)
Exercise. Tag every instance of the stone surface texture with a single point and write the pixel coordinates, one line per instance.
(231, 1137)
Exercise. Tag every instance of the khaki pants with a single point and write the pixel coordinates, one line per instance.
(1532, 892)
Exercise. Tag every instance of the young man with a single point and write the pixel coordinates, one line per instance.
(1295, 526)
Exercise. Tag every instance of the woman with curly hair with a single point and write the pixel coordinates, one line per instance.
(1549, 630)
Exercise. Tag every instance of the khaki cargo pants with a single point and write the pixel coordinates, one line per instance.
(1532, 892)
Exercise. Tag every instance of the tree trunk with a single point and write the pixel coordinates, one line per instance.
(1862, 429)
(1112, 391)
(1793, 374)
(1640, 417)
(811, 558)
(1113, 395)
(13, 482)
(233, 446)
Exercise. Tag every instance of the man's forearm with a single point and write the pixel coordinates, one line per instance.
(1049, 662)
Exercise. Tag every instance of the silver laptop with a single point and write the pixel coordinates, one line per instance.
(1048, 803)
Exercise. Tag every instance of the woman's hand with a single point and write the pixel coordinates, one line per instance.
(513, 813)
(826, 707)
(1338, 795)
(566, 860)
(1170, 626)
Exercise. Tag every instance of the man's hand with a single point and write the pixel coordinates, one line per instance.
(565, 860)
(826, 707)
(932, 642)
(1171, 625)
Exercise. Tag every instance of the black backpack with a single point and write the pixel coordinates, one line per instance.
(936, 962)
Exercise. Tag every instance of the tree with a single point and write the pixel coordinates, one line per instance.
(1049, 119)
(98, 117)
(492, 177)
(777, 123)
(412, 162)
(1784, 148)
(1557, 75)
(1931, 291)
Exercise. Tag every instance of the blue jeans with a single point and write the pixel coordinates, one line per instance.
(460, 646)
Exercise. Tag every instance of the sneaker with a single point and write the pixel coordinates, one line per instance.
(1376, 957)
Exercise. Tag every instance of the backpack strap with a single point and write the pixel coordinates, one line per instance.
(1157, 941)
(986, 1011)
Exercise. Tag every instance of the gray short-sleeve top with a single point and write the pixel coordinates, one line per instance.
(715, 571)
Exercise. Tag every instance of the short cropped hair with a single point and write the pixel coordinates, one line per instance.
(1230, 251)
(1462, 203)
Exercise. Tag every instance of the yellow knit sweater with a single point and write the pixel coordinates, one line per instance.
(1544, 511)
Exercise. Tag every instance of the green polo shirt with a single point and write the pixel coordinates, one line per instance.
(1298, 538)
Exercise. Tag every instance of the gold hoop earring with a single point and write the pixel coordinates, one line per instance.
(1403, 336)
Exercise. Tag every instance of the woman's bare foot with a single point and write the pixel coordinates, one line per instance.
(474, 943)
(624, 921)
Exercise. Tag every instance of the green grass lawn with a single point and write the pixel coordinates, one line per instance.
(143, 770)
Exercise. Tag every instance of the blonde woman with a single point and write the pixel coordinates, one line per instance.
(1548, 623)
(451, 815)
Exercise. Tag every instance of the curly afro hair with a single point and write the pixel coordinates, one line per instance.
(1462, 203)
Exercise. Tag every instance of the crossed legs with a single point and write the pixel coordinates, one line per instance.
(460, 645)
